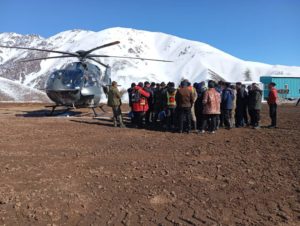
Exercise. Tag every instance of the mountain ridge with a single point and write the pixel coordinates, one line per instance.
(193, 60)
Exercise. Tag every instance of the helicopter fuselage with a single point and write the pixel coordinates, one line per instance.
(77, 84)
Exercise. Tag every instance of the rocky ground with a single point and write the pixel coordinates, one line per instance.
(82, 171)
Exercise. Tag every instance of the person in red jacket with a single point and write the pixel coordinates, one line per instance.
(139, 101)
(272, 102)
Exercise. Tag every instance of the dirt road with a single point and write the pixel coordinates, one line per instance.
(81, 171)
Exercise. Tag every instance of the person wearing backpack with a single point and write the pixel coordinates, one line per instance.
(170, 106)
(114, 101)
(139, 100)
(130, 93)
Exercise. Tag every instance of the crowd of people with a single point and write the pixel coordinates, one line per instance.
(201, 107)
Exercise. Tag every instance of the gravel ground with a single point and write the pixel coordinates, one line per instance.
(82, 171)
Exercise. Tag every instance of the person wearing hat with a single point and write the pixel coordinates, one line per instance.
(114, 101)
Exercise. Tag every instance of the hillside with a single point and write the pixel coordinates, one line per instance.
(12, 91)
(193, 60)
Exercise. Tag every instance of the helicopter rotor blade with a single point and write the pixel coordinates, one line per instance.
(103, 46)
(41, 50)
(134, 58)
(97, 61)
(44, 58)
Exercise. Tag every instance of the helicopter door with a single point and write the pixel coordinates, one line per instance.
(90, 84)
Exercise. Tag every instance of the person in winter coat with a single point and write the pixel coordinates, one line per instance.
(152, 113)
(129, 91)
(272, 102)
(200, 88)
(241, 104)
(232, 117)
(159, 99)
(211, 110)
(170, 100)
(148, 114)
(219, 88)
(254, 105)
(195, 96)
(184, 100)
(245, 115)
(114, 101)
(227, 105)
(156, 102)
(139, 99)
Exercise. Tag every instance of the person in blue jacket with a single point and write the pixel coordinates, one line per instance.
(220, 121)
(227, 98)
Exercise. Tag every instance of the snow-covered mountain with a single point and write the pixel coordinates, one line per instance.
(193, 60)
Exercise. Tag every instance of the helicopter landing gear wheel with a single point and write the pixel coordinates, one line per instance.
(101, 107)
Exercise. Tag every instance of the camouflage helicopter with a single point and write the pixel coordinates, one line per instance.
(79, 84)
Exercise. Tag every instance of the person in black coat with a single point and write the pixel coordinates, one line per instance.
(148, 116)
(200, 88)
(241, 105)
(130, 93)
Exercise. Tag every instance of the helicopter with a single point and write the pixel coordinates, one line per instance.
(79, 84)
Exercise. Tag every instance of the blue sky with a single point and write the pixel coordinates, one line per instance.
(258, 30)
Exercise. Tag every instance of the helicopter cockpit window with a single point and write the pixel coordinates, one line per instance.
(91, 76)
(69, 79)
(89, 79)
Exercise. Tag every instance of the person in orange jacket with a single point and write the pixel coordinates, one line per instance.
(139, 101)
(272, 102)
